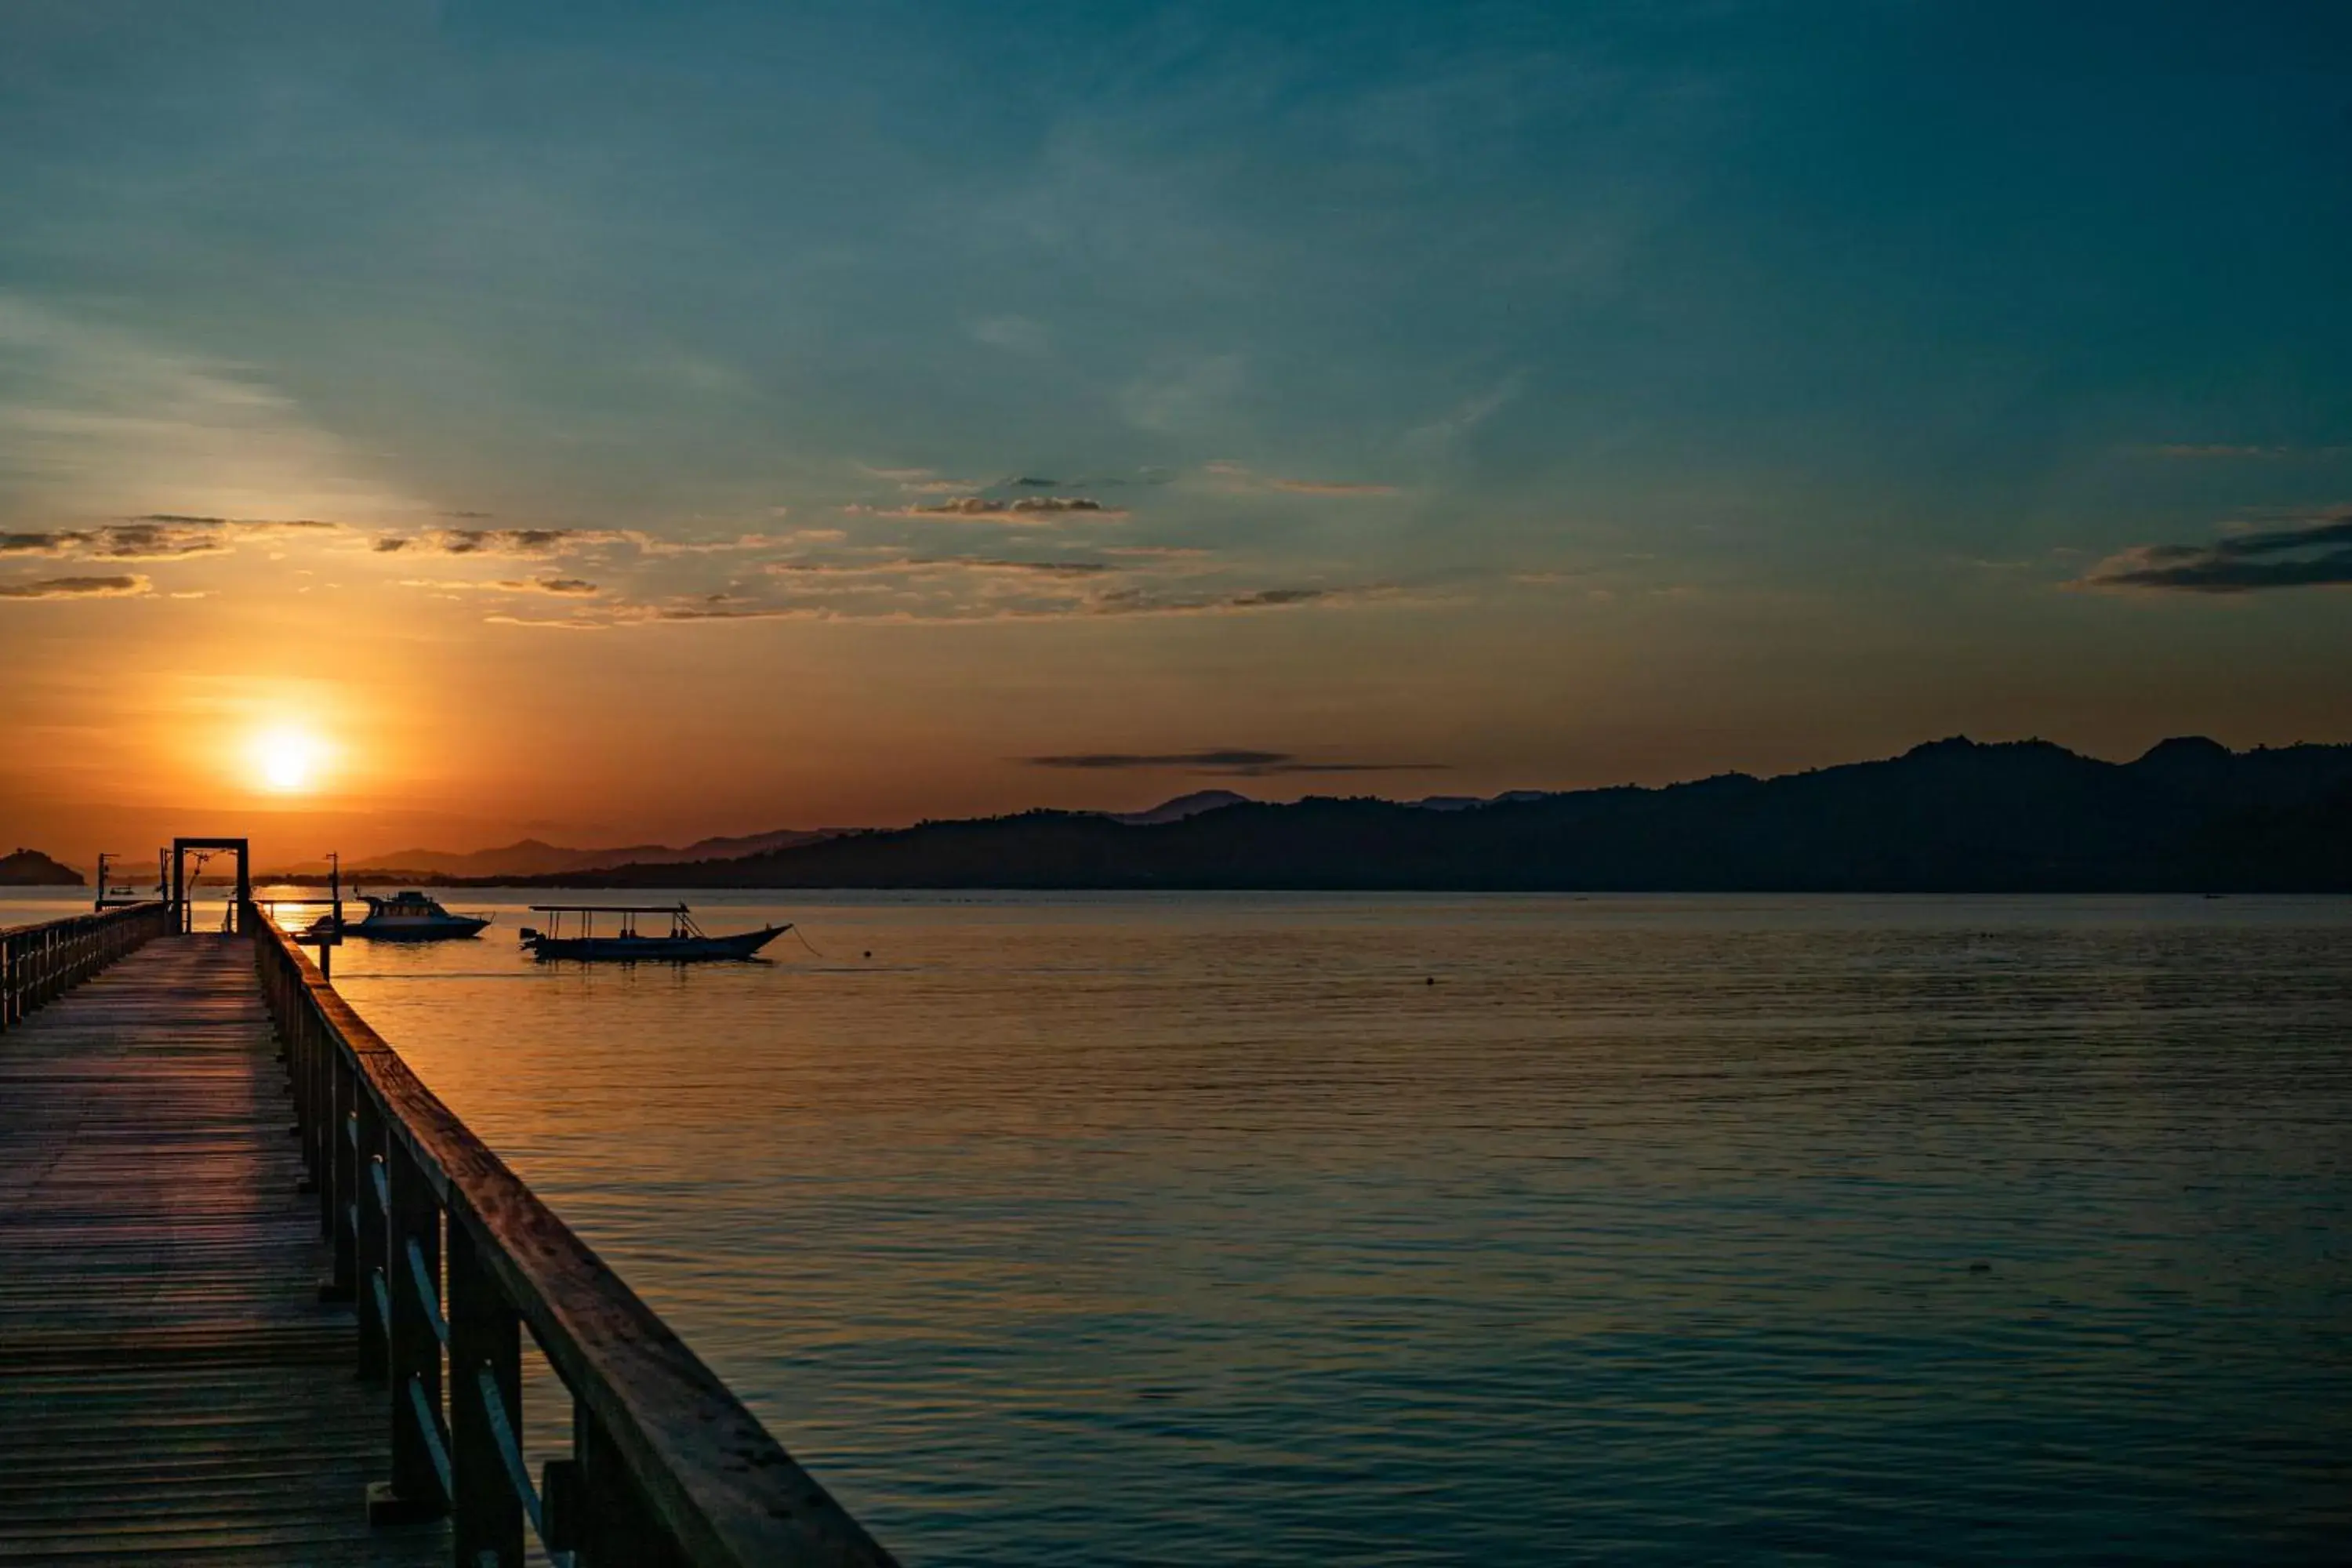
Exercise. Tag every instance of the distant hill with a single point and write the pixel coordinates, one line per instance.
(531, 858)
(1182, 806)
(1948, 816)
(31, 868)
(1201, 800)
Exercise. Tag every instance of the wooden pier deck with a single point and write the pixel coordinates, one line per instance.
(171, 1389)
(264, 1299)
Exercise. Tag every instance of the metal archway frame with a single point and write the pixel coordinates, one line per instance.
(181, 909)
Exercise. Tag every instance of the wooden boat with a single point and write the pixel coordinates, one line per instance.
(409, 916)
(683, 943)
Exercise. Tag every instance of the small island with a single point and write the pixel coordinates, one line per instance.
(31, 868)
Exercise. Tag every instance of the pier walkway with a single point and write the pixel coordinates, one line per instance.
(264, 1299)
(171, 1389)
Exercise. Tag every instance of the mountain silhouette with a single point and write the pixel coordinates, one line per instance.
(1182, 806)
(31, 868)
(1950, 815)
(533, 857)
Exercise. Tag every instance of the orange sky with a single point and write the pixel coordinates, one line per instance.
(659, 427)
(418, 719)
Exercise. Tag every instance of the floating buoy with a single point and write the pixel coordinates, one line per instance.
(1431, 980)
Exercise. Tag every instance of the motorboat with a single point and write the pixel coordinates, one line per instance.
(409, 916)
(572, 934)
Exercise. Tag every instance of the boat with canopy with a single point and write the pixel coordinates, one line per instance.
(572, 934)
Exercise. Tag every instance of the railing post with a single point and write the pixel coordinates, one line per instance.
(616, 1528)
(319, 1058)
(306, 1060)
(308, 1119)
(485, 1362)
(370, 1287)
(339, 1189)
(293, 1042)
(39, 963)
(421, 1482)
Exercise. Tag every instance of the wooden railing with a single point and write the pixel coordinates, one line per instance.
(446, 1255)
(39, 962)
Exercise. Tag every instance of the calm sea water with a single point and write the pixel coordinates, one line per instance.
(1204, 1229)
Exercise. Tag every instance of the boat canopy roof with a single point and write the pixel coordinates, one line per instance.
(608, 908)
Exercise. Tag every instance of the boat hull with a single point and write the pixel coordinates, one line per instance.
(455, 926)
(654, 949)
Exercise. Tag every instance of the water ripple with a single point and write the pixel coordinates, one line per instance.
(1206, 1228)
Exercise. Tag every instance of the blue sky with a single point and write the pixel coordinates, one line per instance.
(1911, 348)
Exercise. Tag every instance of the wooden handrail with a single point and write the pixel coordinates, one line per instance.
(667, 1468)
(39, 962)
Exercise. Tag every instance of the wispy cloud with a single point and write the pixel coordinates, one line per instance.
(1227, 760)
(572, 587)
(930, 565)
(545, 541)
(539, 543)
(1228, 475)
(156, 541)
(99, 420)
(158, 536)
(2239, 451)
(1440, 434)
(1148, 601)
(479, 541)
(550, 623)
(1029, 509)
(1332, 488)
(2316, 553)
(645, 543)
(117, 587)
(1195, 392)
(943, 590)
(248, 525)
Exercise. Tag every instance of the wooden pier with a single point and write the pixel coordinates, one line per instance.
(262, 1299)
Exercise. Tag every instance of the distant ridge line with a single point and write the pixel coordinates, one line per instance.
(1950, 815)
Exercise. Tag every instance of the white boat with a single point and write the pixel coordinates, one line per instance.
(409, 916)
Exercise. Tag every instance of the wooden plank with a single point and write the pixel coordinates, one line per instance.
(171, 1390)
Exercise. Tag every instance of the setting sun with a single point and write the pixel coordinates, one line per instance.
(287, 760)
